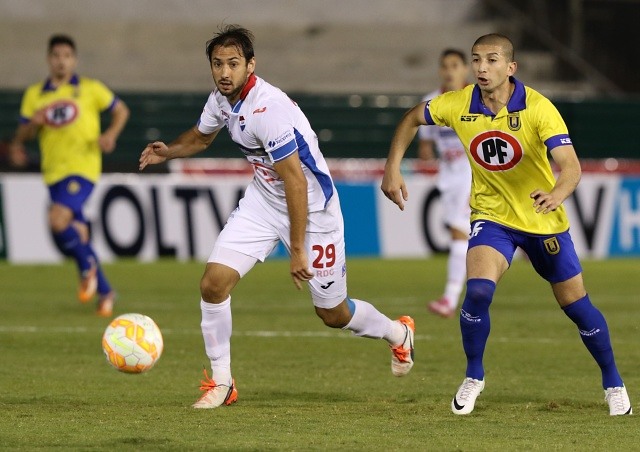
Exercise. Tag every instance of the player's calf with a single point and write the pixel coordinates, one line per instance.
(475, 323)
(594, 333)
(337, 317)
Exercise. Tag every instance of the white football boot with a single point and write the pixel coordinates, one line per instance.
(465, 399)
(402, 354)
(215, 395)
(618, 401)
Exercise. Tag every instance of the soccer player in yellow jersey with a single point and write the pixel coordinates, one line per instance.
(64, 112)
(507, 130)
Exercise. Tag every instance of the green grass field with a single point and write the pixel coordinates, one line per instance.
(301, 385)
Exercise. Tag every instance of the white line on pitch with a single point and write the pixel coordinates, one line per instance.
(258, 333)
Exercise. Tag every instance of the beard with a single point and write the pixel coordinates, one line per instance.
(229, 91)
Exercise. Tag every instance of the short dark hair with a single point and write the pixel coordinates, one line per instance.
(232, 35)
(61, 39)
(497, 39)
(459, 53)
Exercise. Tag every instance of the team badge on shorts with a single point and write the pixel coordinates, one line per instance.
(552, 246)
(513, 120)
(73, 187)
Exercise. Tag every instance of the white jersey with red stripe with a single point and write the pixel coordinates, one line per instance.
(268, 127)
(454, 168)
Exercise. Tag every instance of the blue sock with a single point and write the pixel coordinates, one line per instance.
(475, 323)
(352, 306)
(103, 284)
(70, 243)
(595, 336)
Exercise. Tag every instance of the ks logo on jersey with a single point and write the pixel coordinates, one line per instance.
(61, 113)
(496, 150)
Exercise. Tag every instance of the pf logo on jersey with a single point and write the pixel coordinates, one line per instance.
(496, 150)
(61, 113)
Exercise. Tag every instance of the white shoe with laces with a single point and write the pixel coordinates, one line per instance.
(465, 399)
(215, 395)
(618, 400)
(402, 354)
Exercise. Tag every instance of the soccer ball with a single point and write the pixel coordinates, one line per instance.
(132, 343)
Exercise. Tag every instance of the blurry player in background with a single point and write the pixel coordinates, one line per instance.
(64, 113)
(454, 181)
(291, 199)
(516, 201)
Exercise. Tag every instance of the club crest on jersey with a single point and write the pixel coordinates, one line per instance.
(241, 121)
(552, 246)
(496, 150)
(73, 187)
(513, 120)
(61, 113)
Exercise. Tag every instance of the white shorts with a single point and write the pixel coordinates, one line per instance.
(255, 228)
(455, 205)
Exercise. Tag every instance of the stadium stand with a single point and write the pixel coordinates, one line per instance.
(347, 125)
(354, 66)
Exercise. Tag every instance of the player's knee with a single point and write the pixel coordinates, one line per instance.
(58, 222)
(213, 290)
(479, 292)
(217, 282)
(334, 318)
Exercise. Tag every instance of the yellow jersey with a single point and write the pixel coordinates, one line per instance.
(69, 138)
(507, 152)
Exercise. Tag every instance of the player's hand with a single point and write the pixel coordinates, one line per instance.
(107, 142)
(300, 271)
(154, 153)
(394, 188)
(39, 118)
(18, 156)
(544, 202)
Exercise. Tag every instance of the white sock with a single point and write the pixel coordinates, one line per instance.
(216, 331)
(367, 321)
(456, 271)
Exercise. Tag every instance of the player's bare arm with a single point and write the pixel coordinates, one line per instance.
(426, 150)
(393, 185)
(24, 133)
(295, 189)
(189, 143)
(570, 172)
(119, 117)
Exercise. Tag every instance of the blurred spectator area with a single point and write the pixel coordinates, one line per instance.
(347, 125)
(354, 66)
(565, 48)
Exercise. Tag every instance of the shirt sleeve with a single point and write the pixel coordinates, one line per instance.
(104, 97)
(211, 119)
(437, 111)
(28, 105)
(274, 128)
(551, 127)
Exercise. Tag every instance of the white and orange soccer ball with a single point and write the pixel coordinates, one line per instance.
(132, 343)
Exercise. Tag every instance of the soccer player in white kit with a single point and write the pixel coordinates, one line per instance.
(454, 182)
(291, 199)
